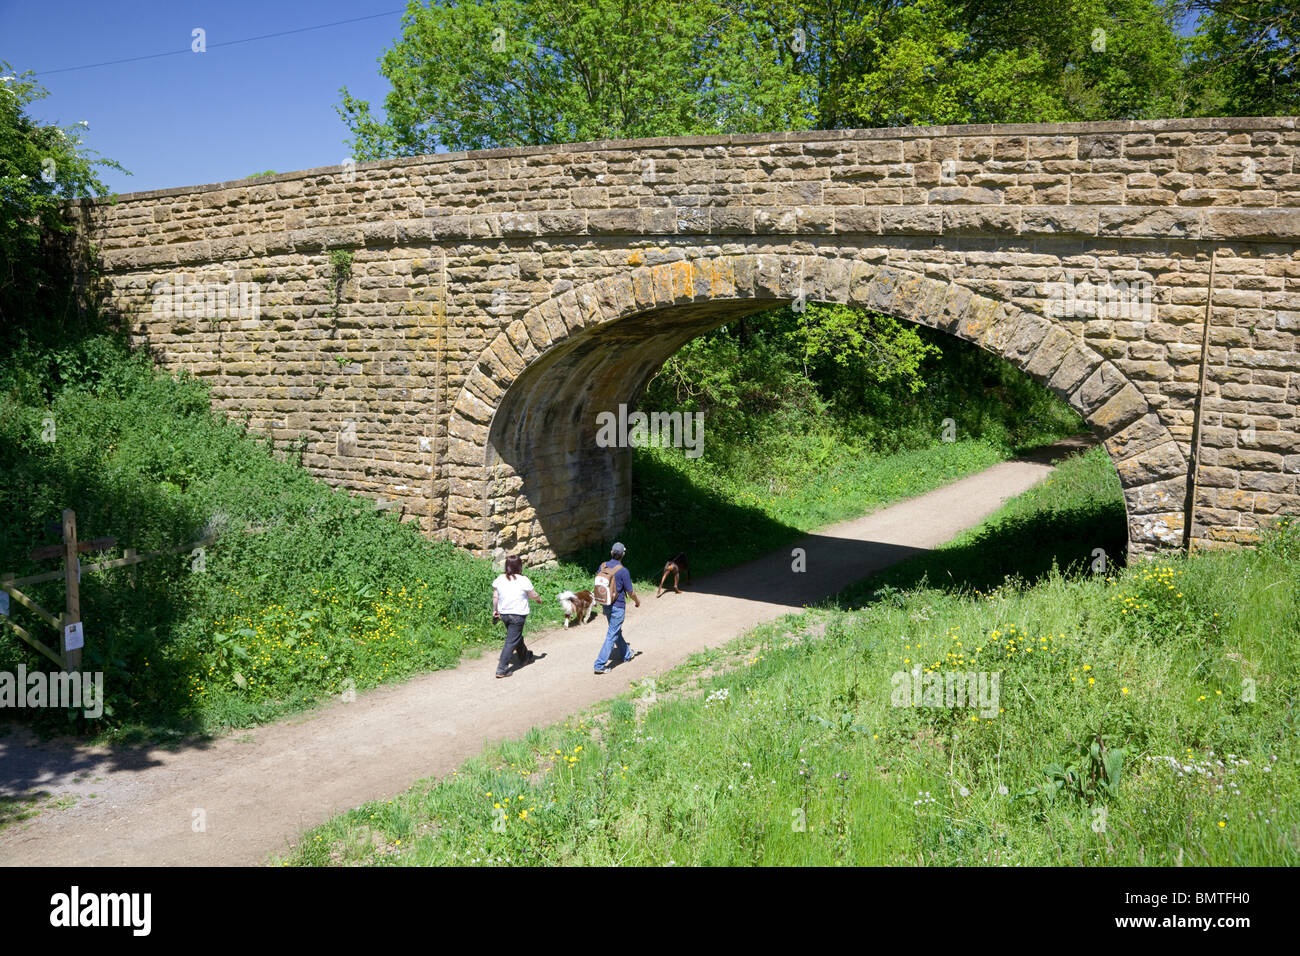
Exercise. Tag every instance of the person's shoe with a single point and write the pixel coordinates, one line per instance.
(631, 655)
(506, 674)
(602, 670)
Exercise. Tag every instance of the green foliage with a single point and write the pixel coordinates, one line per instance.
(488, 73)
(833, 376)
(491, 73)
(1244, 59)
(341, 264)
(1072, 60)
(879, 347)
(1092, 771)
(302, 589)
(924, 62)
(41, 168)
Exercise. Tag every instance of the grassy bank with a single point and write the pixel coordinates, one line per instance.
(1144, 716)
(327, 591)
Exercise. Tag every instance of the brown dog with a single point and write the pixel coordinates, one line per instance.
(576, 606)
(678, 568)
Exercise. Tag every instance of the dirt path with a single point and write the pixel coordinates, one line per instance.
(258, 789)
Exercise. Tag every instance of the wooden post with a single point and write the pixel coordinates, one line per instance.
(71, 657)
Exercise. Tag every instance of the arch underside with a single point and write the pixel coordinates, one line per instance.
(546, 488)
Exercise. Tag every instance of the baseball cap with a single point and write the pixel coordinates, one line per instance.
(618, 548)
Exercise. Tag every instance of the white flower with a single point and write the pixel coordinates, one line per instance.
(963, 791)
(1003, 790)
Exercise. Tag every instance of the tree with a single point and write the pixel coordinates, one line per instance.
(41, 167)
(1244, 59)
(478, 74)
(929, 62)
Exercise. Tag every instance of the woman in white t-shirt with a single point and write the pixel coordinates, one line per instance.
(511, 593)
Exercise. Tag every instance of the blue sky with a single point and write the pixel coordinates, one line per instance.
(199, 118)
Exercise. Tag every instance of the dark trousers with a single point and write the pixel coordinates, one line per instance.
(514, 641)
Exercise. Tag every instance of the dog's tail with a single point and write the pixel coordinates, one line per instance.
(567, 596)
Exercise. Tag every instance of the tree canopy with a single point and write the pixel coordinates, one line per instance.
(473, 74)
(41, 167)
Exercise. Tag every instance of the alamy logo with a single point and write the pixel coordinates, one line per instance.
(178, 298)
(103, 909)
(639, 430)
(64, 690)
(1114, 299)
(974, 689)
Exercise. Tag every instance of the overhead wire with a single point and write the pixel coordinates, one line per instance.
(213, 46)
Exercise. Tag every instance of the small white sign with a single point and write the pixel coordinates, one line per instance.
(4, 603)
(73, 638)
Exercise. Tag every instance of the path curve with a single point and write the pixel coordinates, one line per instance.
(260, 788)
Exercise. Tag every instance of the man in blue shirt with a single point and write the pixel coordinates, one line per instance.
(614, 612)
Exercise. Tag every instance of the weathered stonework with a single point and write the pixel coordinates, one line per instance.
(499, 300)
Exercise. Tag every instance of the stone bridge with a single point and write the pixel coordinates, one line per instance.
(444, 331)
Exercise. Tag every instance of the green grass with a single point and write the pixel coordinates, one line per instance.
(790, 747)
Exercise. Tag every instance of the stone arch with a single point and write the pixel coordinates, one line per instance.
(524, 470)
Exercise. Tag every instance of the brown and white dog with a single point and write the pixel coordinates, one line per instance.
(678, 568)
(576, 606)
